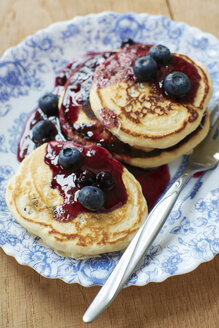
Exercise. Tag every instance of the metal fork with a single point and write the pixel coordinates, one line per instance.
(204, 157)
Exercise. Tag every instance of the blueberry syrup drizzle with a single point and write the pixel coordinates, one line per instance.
(95, 159)
(121, 64)
(76, 97)
(153, 182)
(178, 64)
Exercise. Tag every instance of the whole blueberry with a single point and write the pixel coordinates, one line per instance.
(91, 198)
(177, 84)
(86, 178)
(145, 68)
(127, 42)
(49, 104)
(43, 130)
(161, 54)
(104, 181)
(70, 157)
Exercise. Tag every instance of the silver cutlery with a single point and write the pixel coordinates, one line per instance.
(204, 157)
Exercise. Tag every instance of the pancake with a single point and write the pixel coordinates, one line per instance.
(80, 124)
(140, 157)
(74, 105)
(157, 157)
(34, 201)
(141, 114)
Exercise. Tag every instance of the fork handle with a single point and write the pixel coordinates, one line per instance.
(136, 249)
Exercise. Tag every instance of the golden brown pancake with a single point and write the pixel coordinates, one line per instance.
(141, 114)
(80, 125)
(157, 157)
(33, 201)
(136, 156)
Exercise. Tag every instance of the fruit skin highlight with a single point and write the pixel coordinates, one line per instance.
(177, 84)
(104, 181)
(49, 104)
(145, 68)
(161, 54)
(43, 130)
(70, 157)
(91, 198)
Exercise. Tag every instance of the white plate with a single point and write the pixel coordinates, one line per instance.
(190, 235)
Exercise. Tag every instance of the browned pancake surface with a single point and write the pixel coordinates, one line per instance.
(141, 114)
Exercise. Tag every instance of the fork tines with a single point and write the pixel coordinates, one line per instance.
(215, 125)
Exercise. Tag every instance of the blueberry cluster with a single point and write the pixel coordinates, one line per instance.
(44, 129)
(91, 194)
(91, 186)
(102, 180)
(176, 84)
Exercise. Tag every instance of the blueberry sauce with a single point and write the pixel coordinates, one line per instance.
(178, 64)
(77, 89)
(95, 159)
(198, 174)
(153, 182)
(121, 64)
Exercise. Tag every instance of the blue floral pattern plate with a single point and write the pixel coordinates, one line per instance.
(190, 235)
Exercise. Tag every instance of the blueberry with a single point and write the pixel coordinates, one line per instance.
(86, 178)
(177, 84)
(91, 198)
(43, 130)
(49, 104)
(104, 181)
(145, 68)
(161, 54)
(127, 42)
(70, 157)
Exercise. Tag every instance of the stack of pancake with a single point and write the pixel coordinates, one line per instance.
(138, 123)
